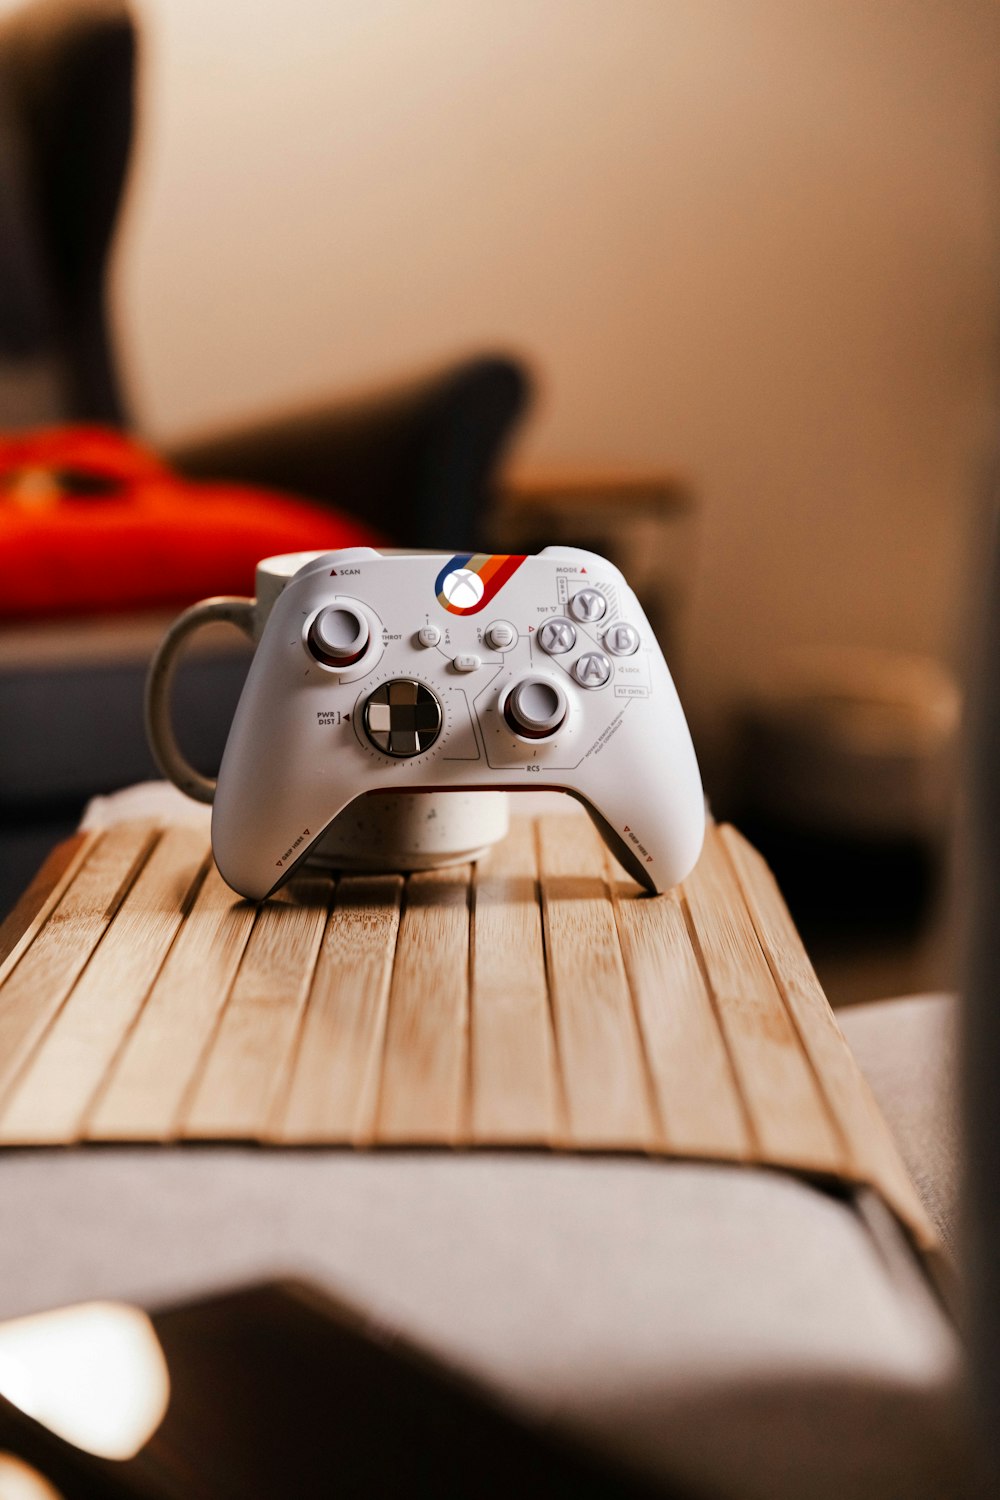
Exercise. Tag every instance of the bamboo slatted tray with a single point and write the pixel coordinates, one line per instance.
(536, 999)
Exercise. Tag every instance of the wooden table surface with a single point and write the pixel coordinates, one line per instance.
(537, 999)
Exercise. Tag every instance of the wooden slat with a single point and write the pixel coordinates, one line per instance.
(423, 1088)
(871, 1151)
(146, 1087)
(513, 1082)
(695, 1087)
(52, 1094)
(334, 1083)
(246, 1065)
(142, 1000)
(32, 911)
(37, 986)
(788, 1115)
(606, 1090)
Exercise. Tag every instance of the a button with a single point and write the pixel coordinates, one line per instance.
(339, 635)
(557, 636)
(588, 606)
(402, 717)
(535, 707)
(466, 661)
(592, 670)
(621, 639)
(501, 635)
(429, 635)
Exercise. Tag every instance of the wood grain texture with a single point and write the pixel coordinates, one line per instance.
(696, 1092)
(423, 1094)
(333, 1088)
(789, 1117)
(542, 1000)
(145, 1091)
(39, 982)
(604, 1079)
(245, 1067)
(514, 1086)
(40, 899)
(869, 1149)
(49, 1101)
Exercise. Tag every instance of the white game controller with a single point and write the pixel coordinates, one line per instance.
(481, 672)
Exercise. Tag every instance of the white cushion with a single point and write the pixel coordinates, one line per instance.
(908, 1051)
(731, 1328)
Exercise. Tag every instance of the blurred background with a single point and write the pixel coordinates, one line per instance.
(747, 255)
(756, 244)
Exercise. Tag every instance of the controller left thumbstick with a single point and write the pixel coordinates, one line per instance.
(339, 635)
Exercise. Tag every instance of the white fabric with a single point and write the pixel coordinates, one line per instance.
(731, 1328)
(147, 799)
(908, 1051)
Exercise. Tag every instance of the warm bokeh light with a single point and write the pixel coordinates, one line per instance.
(93, 1374)
(19, 1481)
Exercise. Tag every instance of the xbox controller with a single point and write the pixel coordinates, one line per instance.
(413, 672)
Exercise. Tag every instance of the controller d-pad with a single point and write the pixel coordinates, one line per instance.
(402, 717)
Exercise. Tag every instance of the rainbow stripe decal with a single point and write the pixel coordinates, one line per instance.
(468, 582)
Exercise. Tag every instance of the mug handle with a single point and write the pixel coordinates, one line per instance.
(159, 687)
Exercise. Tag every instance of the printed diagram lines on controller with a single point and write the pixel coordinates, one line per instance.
(410, 672)
(399, 720)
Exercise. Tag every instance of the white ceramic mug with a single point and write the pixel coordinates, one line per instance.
(383, 831)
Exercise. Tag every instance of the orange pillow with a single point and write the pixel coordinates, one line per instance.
(93, 522)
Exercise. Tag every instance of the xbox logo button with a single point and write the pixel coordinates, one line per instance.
(463, 588)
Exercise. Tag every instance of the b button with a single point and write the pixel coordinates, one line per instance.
(621, 639)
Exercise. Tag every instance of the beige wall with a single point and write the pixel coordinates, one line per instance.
(753, 239)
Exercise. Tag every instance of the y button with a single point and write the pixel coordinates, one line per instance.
(588, 606)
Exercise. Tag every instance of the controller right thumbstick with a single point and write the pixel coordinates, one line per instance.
(535, 708)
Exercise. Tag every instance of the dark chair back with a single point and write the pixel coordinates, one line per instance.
(67, 74)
